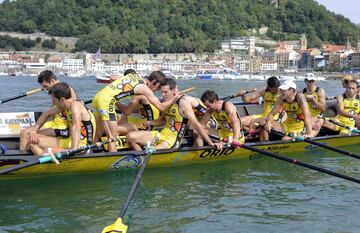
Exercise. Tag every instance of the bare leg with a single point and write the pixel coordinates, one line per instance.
(45, 142)
(111, 132)
(136, 139)
(317, 123)
(245, 122)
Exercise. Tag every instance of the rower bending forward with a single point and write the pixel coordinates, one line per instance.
(176, 120)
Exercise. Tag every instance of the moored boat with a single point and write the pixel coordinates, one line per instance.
(104, 161)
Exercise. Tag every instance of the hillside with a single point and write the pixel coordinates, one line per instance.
(156, 26)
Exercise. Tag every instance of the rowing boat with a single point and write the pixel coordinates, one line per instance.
(105, 161)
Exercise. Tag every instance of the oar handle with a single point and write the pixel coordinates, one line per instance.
(296, 162)
(20, 95)
(234, 95)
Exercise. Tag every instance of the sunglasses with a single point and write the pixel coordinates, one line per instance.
(310, 81)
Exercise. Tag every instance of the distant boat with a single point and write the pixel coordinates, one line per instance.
(102, 79)
(220, 73)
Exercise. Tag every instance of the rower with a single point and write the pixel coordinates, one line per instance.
(270, 94)
(348, 108)
(315, 97)
(225, 114)
(297, 111)
(345, 80)
(175, 120)
(58, 125)
(131, 84)
(80, 120)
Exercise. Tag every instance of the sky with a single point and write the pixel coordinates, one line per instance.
(348, 8)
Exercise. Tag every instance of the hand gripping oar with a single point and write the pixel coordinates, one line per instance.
(300, 138)
(59, 155)
(234, 95)
(20, 95)
(118, 225)
(296, 162)
(351, 129)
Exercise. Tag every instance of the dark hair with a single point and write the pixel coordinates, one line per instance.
(273, 82)
(210, 96)
(129, 71)
(158, 76)
(353, 81)
(60, 90)
(46, 76)
(168, 82)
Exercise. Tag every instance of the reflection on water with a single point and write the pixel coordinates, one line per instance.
(259, 195)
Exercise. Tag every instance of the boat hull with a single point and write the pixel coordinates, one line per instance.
(99, 162)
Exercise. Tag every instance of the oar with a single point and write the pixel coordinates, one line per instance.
(351, 129)
(296, 162)
(300, 138)
(234, 95)
(247, 104)
(118, 225)
(187, 90)
(20, 95)
(59, 155)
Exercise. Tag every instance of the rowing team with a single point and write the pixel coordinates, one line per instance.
(285, 109)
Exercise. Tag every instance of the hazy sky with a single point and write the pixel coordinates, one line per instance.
(348, 8)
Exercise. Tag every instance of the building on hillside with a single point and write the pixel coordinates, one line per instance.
(300, 44)
(269, 65)
(73, 64)
(241, 45)
(355, 59)
(287, 59)
(54, 62)
(307, 59)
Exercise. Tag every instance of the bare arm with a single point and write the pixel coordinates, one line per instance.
(128, 109)
(144, 90)
(187, 111)
(301, 100)
(75, 129)
(340, 107)
(230, 109)
(253, 97)
(43, 118)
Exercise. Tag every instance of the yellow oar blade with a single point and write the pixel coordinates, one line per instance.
(187, 90)
(117, 227)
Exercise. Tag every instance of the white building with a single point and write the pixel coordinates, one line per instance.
(269, 66)
(245, 45)
(73, 64)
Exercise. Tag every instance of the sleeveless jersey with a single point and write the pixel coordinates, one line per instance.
(350, 106)
(175, 125)
(295, 117)
(224, 122)
(87, 127)
(314, 111)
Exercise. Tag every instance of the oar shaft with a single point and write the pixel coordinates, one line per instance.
(234, 95)
(20, 95)
(319, 144)
(354, 130)
(300, 163)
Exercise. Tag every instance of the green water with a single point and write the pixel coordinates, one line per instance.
(260, 195)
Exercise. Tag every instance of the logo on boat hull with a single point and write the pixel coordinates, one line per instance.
(126, 162)
(311, 147)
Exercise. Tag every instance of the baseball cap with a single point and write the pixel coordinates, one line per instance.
(286, 85)
(310, 77)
